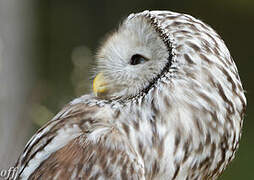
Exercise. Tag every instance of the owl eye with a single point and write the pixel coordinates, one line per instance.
(137, 59)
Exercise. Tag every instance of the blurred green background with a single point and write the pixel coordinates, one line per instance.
(67, 33)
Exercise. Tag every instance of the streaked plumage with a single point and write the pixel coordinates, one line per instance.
(176, 115)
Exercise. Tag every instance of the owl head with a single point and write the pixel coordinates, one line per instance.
(130, 60)
(151, 45)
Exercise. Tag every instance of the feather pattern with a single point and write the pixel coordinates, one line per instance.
(185, 122)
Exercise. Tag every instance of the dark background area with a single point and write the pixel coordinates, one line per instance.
(66, 35)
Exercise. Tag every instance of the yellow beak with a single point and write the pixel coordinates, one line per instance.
(99, 84)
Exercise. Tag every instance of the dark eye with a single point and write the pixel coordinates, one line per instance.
(137, 59)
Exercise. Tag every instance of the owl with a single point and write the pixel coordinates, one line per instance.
(167, 104)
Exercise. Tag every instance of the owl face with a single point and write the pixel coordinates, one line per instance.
(129, 60)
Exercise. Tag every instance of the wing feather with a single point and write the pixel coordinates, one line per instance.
(79, 143)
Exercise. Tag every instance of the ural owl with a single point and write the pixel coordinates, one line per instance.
(168, 104)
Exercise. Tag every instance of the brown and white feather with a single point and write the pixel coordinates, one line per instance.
(183, 122)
